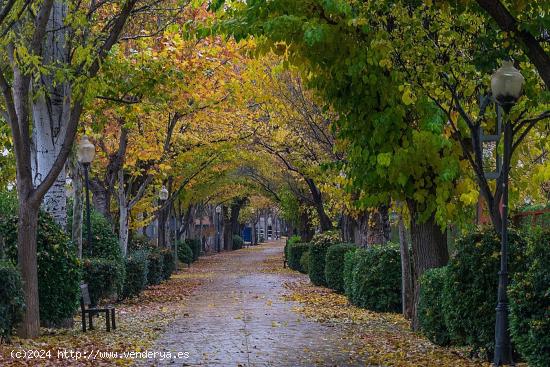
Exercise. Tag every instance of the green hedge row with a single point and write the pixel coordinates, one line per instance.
(334, 265)
(137, 268)
(238, 242)
(295, 252)
(317, 254)
(11, 299)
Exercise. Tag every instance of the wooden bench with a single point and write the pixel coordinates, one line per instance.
(91, 311)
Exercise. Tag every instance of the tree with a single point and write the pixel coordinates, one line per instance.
(31, 59)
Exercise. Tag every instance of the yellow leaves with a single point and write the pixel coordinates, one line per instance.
(408, 96)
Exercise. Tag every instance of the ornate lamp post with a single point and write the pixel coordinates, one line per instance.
(218, 237)
(163, 196)
(506, 86)
(85, 154)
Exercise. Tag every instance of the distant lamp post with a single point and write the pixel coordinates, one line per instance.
(218, 236)
(85, 154)
(506, 87)
(163, 196)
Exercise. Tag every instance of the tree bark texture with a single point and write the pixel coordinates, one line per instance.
(78, 204)
(406, 278)
(429, 250)
(378, 226)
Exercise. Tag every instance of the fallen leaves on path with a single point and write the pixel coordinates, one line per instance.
(139, 322)
(386, 338)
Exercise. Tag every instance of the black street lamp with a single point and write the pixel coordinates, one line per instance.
(163, 196)
(218, 237)
(506, 86)
(85, 155)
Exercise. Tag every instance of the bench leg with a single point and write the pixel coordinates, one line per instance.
(90, 316)
(107, 320)
(113, 319)
(84, 321)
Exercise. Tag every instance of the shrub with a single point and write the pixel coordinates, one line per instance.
(168, 265)
(334, 265)
(237, 242)
(195, 246)
(304, 262)
(154, 271)
(376, 278)
(139, 242)
(430, 306)
(185, 254)
(295, 252)
(317, 254)
(101, 275)
(105, 245)
(470, 293)
(292, 240)
(59, 271)
(136, 273)
(11, 299)
(350, 258)
(530, 303)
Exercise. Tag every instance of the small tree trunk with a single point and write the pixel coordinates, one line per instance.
(27, 259)
(362, 230)
(378, 226)
(406, 280)
(123, 211)
(429, 250)
(101, 198)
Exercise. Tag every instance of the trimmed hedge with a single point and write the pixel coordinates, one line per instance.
(59, 270)
(290, 241)
(195, 246)
(334, 265)
(317, 254)
(470, 293)
(136, 273)
(101, 277)
(185, 254)
(168, 265)
(11, 299)
(430, 306)
(139, 242)
(154, 269)
(238, 242)
(295, 252)
(530, 303)
(375, 279)
(304, 262)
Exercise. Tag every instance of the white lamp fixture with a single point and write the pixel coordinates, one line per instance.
(507, 85)
(218, 209)
(163, 194)
(86, 151)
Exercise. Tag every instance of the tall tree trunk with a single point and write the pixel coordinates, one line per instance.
(378, 226)
(347, 228)
(429, 250)
(227, 230)
(306, 232)
(78, 204)
(101, 198)
(406, 279)
(27, 260)
(324, 220)
(51, 111)
(123, 213)
(362, 229)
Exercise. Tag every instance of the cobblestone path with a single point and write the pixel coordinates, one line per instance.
(239, 318)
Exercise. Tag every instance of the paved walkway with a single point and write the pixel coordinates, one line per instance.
(239, 318)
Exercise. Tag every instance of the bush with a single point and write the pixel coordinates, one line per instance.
(295, 252)
(530, 303)
(317, 254)
(292, 240)
(334, 265)
(185, 254)
(304, 262)
(154, 271)
(430, 306)
(59, 271)
(136, 273)
(376, 278)
(139, 242)
(195, 246)
(168, 265)
(11, 299)
(101, 275)
(237, 242)
(470, 293)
